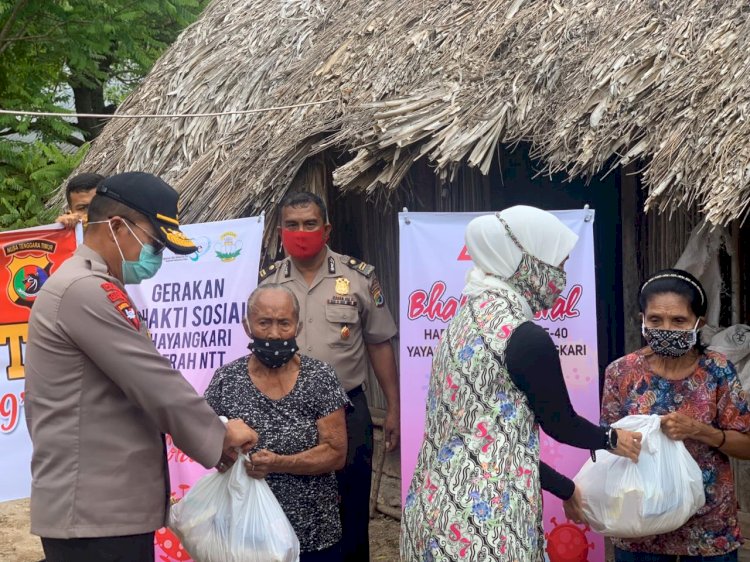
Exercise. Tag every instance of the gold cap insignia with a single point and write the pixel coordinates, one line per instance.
(177, 238)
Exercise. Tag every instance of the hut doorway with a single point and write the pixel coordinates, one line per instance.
(369, 229)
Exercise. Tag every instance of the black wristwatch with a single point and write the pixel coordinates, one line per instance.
(611, 439)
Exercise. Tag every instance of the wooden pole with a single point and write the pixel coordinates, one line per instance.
(629, 218)
(736, 274)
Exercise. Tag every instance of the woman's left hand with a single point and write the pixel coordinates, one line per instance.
(679, 426)
(573, 507)
(261, 464)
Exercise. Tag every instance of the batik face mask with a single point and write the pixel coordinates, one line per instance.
(670, 343)
(538, 282)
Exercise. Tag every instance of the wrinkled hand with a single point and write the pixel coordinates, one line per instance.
(392, 429)
(628, 444)
(68, 220)
(679, 426)
(261, 464)
(238, 434)
(573, 507)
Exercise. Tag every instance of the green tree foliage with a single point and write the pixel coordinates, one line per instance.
(29, 174)
(58, 53)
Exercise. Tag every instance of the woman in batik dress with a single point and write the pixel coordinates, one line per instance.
(699, 396)
(476, 490)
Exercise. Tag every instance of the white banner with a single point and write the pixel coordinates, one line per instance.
(193, 309)
(433, 264)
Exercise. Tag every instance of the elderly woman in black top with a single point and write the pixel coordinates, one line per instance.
(296, 405)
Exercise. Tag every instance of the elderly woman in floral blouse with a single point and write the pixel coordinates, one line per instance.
(701, 402)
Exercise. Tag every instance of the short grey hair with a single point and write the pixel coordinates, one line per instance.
(272, 287)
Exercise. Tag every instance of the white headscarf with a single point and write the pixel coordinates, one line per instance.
(541, 234)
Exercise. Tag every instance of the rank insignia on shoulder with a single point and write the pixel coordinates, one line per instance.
(122, 304)
(331, 265)
(359, 266)
(263, 273)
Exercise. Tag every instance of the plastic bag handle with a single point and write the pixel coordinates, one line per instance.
(646, 425)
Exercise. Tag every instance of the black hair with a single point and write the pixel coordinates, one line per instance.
(82, 182)
(302, 199)
(103, 208)
(681, 283)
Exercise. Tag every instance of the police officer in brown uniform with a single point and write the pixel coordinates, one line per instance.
(346, 323)
(100, 397)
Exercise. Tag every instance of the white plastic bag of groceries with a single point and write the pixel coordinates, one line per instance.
(655, 496)
(231, 517)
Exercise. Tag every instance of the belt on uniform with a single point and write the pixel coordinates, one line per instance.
(356, 391)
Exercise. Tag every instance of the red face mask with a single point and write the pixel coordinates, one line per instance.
(303, 244)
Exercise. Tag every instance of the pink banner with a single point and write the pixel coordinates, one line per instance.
(433, 264)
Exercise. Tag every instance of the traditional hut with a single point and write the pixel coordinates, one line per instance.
(453, 105)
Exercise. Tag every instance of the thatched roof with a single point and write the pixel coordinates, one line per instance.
(589, 84)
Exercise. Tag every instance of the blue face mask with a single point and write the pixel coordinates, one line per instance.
(148, 264)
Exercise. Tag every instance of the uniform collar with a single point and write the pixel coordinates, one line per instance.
(94, 258)
(331, 267)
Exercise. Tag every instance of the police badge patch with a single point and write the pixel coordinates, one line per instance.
(377, 293)
(122, 304)
(30, 272)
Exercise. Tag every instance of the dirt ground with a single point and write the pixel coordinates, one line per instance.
(18, 545)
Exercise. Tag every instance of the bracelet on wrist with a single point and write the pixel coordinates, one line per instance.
(723, 439)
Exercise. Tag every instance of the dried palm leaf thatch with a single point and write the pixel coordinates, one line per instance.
(589, 83)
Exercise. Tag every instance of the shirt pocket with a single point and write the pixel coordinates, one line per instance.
(338, 316)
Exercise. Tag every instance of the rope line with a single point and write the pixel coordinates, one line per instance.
(160, 116)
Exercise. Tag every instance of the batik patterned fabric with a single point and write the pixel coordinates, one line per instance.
(711, 394)
(538, 282)
(475, 493)
(670, 343)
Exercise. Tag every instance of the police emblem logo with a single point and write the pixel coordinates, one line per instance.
(342, 286)
(129, 313)
(27, 276)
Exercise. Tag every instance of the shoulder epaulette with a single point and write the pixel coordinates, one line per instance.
(263, 273)
(359, 266)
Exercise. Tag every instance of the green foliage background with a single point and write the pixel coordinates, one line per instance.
(87, 54)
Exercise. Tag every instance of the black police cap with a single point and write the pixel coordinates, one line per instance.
(153, 197)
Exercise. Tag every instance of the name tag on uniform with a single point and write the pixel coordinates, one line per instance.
(341, 299)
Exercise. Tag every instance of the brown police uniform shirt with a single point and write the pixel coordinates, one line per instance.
(342, 311)
(98, 397)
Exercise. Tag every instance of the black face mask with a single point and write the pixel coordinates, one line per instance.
(273, 353)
